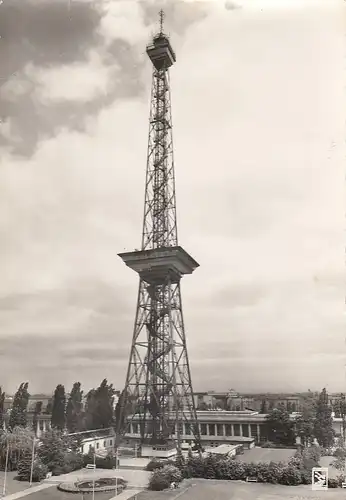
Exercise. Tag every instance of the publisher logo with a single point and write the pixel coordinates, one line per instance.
(320, 478)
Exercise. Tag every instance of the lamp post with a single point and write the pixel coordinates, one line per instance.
(32, 461)
(94, 474)
(6, 466)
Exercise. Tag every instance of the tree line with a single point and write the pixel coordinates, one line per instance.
(68, 412)
(315, 421)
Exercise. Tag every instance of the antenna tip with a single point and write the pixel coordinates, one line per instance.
(161, 20)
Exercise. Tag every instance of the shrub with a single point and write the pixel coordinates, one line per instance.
(306, 476)
(333, 483)
(73, 461)
(341, 479)
(195, 467)
(290, 476)
(39, 470)
(158, 482)
(163, 477)
(314, 453)
(155, 464)
(269, 473)
(107, 462)
(296, 471)
(270, 444)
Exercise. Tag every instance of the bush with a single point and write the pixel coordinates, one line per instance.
(333, 483)
(155, 464)
(163, 477)
(296, 472)
(314, 453)
(158, 482)
(39, 470)
(341, 479)
(108, 462)
(270, 444)
(291, 476)
(73, 461)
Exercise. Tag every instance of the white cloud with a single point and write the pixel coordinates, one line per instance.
(74, 82)
(123, 21)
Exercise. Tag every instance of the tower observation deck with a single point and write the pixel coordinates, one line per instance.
(158, 391)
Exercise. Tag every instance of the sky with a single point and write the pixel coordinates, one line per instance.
(259, 120)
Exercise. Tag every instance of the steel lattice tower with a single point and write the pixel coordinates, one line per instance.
(158, 388)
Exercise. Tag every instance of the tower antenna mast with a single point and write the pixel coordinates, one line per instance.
(157, 405)
(162, 18)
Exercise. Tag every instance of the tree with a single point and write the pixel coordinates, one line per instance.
(99, 413)
(305, 422)
(2, 408)
(264, 406)
(280, 429)
(39, 470)
(18, 440)
(59, 452)
(52, 450)
(74, 409)
(37, 412)
(58, 409)
(18, 416)
(49, 407)
(323, 428)
(340, 411)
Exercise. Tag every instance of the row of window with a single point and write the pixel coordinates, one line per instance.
(246, 430)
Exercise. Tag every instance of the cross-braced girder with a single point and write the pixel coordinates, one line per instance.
(160, 224)
(159, 380)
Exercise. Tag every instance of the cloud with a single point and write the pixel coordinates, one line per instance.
(259, 149)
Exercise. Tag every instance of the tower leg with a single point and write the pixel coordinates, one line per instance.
(158, 389)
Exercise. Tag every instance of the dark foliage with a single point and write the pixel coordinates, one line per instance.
(296, 471)
(18, 416)
(280, 429)
(99, 412)
(37, 412)
(74, 409)
(2, 409)
(58, 409)
(163, 477)
(58, 452)
(323, 426)
(108, 462)
(39, 471)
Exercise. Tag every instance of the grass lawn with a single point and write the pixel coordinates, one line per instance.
(203, 489)
(12, 485)
(266, 455)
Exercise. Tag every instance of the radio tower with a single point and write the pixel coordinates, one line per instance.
(158, 394)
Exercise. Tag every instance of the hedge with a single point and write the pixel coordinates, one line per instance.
(155, 464)
(296, 471)
(108, 462)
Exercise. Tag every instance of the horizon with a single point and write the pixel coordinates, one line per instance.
(258, 117)
(241, 394)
